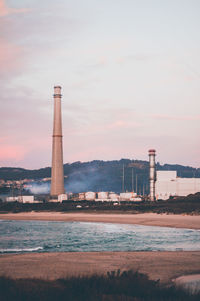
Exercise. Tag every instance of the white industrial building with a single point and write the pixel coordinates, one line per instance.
(21, 199)
(12, 199)
(26, 199)
(62, 197)
(168, 184)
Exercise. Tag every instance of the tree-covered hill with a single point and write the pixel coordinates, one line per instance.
(100, 175)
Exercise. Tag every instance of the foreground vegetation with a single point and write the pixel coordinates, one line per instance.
(184, 205)
(115, 286)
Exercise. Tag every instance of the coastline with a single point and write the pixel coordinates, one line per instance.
(165, 266)
(146, 219)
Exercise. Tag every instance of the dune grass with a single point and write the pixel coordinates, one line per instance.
(115, 286)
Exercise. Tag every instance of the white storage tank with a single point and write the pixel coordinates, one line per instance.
(102, 195)
(90, 196)
(126, 196)
(113, 196)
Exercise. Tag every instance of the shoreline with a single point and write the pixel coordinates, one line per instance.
(165, 266)
(146, 219)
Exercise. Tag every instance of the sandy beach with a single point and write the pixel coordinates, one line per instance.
(148, 219)
(158, 265)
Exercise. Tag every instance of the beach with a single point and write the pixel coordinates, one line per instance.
(148, 219)
(165, 266)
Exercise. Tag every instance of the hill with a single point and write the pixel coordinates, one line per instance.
(100, 175)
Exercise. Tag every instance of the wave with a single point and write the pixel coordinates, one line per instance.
(16, 250)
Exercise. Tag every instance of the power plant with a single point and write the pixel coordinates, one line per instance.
(162, 184)
(57, 174)
(168, 184)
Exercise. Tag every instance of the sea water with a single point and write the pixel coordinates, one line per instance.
(48, 236)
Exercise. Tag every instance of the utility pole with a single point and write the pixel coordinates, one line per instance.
(132, 179)
(136, 190)
(123, 179)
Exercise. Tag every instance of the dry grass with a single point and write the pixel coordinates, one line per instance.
(115, 286)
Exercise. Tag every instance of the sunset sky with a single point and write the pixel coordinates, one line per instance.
(130, 77)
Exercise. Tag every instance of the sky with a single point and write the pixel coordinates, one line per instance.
(130, 77)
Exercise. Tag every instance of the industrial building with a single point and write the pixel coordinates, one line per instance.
(62, 197)
(168, 184)
(21, 199)
(165, 183)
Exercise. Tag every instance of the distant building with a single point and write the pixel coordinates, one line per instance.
(81, 196)
(62, 197)
(168, 184)
(26, 199)
(12, 199)
(21, 199)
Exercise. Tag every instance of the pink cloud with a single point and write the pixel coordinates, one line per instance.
(9, 56)
(123, 124)
(14, 152)
(5, 10)
(30, 149)
(174, 117)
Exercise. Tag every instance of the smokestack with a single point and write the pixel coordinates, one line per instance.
(57, 175)
(152, 173)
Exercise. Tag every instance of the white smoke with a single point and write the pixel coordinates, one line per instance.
(83, 180)
(43, 188)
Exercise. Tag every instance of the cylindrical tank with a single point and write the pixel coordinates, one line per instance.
(113, 196)
(102, 195)
(90, 196)
(126, 195)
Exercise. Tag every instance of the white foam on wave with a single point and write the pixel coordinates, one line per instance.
(16, 250)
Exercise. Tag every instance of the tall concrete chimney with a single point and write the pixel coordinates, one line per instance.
(57, 175)
(152, 173)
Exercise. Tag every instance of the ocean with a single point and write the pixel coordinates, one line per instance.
(49, 236)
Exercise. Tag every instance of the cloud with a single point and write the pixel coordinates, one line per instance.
(90, 120)
(135, 57)
(175, 117)
(9, 58)
(123, 124)
(14, 152)
(5, 10)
